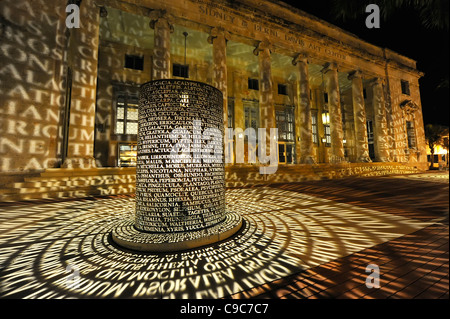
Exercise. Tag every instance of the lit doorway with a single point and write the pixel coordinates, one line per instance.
(370, 140)
(284, 116)
(286, 153)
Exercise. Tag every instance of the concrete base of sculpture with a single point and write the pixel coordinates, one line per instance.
(129, 237)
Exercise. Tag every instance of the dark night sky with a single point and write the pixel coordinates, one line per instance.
(404, 34)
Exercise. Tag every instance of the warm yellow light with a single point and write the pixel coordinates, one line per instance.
(438, 150)
(326, 118)
(184, 102)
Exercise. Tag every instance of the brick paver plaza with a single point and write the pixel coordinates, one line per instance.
(300, 240)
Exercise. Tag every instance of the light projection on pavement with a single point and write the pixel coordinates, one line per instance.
(43, 245)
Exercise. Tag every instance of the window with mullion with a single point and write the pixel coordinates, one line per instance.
(315, 135)
(285, 124)
(405, 87)
(251, 118)
(327, 130)
(127, 114)
(230, 113)
(410, 134)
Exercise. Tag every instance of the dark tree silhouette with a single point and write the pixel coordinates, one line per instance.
(433, 14)
(434, 135)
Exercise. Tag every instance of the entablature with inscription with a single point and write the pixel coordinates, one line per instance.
(289, 29)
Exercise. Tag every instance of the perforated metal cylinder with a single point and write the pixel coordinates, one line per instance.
(180, 177)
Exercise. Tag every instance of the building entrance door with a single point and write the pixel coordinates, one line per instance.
(286, 153)
(370, 140)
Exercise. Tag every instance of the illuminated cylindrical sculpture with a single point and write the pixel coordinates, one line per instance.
(180, 173)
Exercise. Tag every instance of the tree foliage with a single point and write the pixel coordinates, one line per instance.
(433, 14)
(434, 135)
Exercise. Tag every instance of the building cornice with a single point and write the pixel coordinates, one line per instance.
(280, 15)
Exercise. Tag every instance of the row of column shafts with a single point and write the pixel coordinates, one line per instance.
(161, 22)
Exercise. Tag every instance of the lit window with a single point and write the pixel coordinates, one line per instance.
(326, 118)
(370, 139)
(370, 131)
(411, 134)
(126, 114)
(127, 154)
(285, 124)
(326, 128)
(327, 135)
(251, 117)
(315, 135)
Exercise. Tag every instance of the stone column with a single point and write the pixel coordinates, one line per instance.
(161, 22)
(238, 86)
(334, 105)
(381, 131)
(266, 104)
(218, 38)
(303, 121)
(359, 115)
(82, 59)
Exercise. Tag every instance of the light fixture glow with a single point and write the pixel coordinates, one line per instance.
(325, 118)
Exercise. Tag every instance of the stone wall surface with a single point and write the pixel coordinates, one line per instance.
(57, 107)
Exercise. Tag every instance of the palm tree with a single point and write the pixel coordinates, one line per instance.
(434, 136)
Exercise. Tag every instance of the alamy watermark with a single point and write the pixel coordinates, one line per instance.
(73, 18)
(373, 19)
(73, 278)
(207, 146)
(373, 279)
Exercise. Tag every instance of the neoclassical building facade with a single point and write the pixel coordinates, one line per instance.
(68, 97)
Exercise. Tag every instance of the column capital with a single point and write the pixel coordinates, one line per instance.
(301, 57)
(262, 46)
(161, 15)
(356, 74)
(376, 81)
(216, 32)
(329, 66)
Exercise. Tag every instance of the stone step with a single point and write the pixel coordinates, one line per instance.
(55, 177)
(68, 172)
(37, 190)
(55, 183)
(74, 193)
(59, 183)
(74, 182)
(239, 177)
